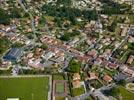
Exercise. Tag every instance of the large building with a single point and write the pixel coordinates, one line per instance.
(13, 54)
(12, 98)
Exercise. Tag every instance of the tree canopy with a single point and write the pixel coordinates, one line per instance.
(4, 45)
(66, 12)
(74, 66)
(4, 17)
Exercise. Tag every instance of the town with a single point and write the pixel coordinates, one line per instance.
(66, 49)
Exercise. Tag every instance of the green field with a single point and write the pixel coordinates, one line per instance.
(126, 94)
(31, 88)
(60, 87)
(78, 91)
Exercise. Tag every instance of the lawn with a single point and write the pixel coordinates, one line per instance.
(58, 77)
(110, 72)
(126, 94)
(96, 84)
(125, 56)
(59, 88)
(31, 88)
(78, 91)
(59, 98)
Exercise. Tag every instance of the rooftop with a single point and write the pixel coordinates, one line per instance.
(13, 54)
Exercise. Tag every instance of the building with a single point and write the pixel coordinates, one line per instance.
(76, 84)
(13, 54)
(76, 76)
(92, 75)
(13, 99)
(131, 31)
(107, 78)
(127, 71)
(130, 59)
(112, 66)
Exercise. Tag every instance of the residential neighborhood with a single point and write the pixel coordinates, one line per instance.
(67, 49)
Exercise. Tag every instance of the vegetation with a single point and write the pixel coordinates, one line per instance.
(96, 84)
(112, 27)
(131, 46)
(4, 17)
(4, 44)
(44, 46)
(112, 92)
(78, 91)
(24, 88)
(125, 56)
(126, 95)
(17, 45)
(116, 91)
(110, 7)
(59, 98)
(66, 12)
(64, 2)
(89, 98)
(121, 82)
(68, 36)
(15, 12)
(74, 66)
(58, 77)
(59, 88)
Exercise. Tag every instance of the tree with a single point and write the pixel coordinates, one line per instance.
(121, 82)
(113, 26)
(74, 66)
(112, 92)
(44, 46)
(17, 45)
(65, 37)
(131, 46)
(4, 44)
(4, 17)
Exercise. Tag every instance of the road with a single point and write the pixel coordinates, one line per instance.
(31, 17)
(86, 95)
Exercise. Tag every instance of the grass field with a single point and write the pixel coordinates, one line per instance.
(78, 91)
(60, 88)
(30, 88)
(126, 94)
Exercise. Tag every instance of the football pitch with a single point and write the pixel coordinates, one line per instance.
(24, 88)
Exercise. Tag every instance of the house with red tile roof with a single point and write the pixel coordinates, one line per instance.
(107, 78)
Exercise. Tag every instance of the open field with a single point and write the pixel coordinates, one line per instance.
(60, 88)
(126, 95)
(24, 88)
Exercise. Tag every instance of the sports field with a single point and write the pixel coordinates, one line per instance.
(60, 88)
(25, 88)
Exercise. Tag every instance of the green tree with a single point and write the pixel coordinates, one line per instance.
(4, 44)
(74, 66)
(17, 45)
(4, 17)
(44, 46)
